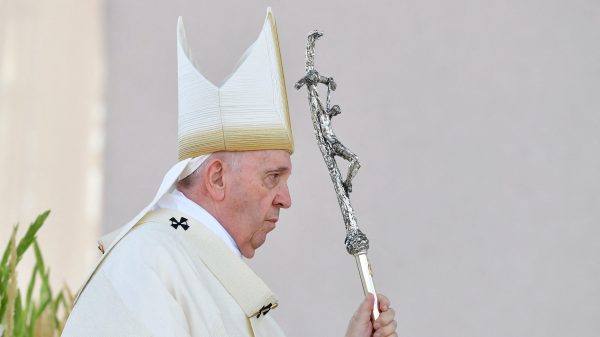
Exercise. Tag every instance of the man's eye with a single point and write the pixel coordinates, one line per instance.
(273, 178)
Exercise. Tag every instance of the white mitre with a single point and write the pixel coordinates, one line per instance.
(249, 111)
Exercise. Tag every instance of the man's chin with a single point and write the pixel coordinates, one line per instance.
(249, 254)
(249, 251)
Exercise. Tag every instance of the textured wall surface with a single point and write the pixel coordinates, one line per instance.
(478, 127)
(51, 130)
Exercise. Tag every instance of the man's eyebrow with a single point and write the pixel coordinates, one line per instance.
(279, 169)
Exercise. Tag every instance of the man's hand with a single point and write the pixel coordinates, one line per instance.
(360, 324)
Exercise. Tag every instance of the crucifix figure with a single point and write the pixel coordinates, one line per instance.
(356, 241)
(338, 148)
(312, 78)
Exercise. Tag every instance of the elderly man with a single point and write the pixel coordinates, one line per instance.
(176, 268)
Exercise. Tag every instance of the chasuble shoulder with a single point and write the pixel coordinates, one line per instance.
(173, 278)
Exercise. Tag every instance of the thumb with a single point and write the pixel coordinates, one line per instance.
(363, 313)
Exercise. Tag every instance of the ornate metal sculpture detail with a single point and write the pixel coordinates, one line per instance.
(356, 241)
(330, 146)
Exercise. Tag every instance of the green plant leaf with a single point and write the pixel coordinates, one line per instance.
(39, 310)
(8, 303)
(3, 304)
(45, 292)
(32, 314)
(29, 237)
(28, 300)
(19, 316)
(38, 256)
(58, 300)
(4, 262)
(4, 268)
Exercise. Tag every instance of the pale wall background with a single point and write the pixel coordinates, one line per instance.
(477, 123)
(52, 130)
(478, 126)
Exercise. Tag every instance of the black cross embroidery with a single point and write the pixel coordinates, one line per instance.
(264, 310)
(182, 222)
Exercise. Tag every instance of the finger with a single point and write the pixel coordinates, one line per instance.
(364, 310)
(385, 318)
(384, 302)
(386, 330)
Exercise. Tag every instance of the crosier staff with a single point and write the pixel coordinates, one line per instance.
(356, 241)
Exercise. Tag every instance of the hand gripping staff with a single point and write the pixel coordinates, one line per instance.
(356, 241)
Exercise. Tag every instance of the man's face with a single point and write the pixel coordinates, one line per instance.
(255, 193)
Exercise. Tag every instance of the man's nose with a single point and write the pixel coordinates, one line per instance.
(283, 198)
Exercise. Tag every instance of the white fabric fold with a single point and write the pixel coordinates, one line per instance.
(176, 173)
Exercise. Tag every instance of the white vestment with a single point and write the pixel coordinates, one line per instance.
(162, 279)
(178, 201)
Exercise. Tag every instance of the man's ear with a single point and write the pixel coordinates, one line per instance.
(213, 179)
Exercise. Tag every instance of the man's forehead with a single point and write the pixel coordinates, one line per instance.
(270, 160)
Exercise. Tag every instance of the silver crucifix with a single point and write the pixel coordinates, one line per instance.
(356, 241)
